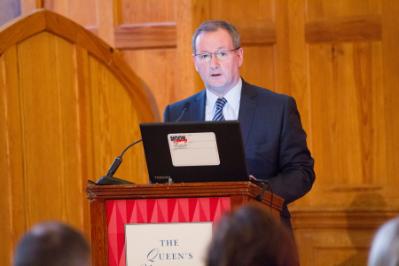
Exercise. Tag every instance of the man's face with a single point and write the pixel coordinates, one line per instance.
(222, 72)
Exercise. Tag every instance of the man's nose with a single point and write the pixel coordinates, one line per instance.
(214, 60)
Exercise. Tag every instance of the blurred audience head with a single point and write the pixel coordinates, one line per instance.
(385, 246)
(52, 243)
(251, 236)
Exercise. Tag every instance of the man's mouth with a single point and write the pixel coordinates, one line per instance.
(216, 75)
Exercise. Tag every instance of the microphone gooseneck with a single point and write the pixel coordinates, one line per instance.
(109, 178)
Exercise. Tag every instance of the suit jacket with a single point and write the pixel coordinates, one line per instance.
(273, 137)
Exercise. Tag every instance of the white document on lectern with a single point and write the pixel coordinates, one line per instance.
(167, 244)
(193, 149)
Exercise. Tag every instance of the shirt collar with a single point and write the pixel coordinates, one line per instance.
(232, 96)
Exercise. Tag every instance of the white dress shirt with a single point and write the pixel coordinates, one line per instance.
(232, 107)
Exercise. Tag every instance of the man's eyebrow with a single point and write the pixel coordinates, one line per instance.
(217, 49)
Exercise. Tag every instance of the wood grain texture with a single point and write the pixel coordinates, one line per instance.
(78, 11)
(344, 29)
(138, 11)
(10, 156)
(185, 190)
(336, 237)
(71, 31)
(322, 9)
(154, 64)
(64, 109)
(28, 6)
(390, 63)
(105, 21)
(147, 35)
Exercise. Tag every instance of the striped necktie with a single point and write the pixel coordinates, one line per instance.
(220, 103)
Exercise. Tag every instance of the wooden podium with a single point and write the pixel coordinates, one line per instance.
(112, 206)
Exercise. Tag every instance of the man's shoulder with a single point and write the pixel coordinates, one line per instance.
(264, 93)
(193, 98)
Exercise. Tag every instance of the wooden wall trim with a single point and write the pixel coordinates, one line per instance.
(146, 35)
(260, 34)
(164, 35)
(355, 28)
(354, 219)
(44, 20)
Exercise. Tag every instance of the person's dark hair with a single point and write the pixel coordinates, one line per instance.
(52, 243)
(214, 25)
(251, 236)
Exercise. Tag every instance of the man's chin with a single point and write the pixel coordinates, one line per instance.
(218, 90)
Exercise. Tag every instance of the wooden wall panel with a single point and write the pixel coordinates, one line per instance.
(68, 106)
(149, 11)
(291, 55)
(346, 80)
(348, 121)
(258, 66)
(50, 134)
(10, 155)
(348, 248)
(155, 66)
(154, 38)
(114, 125)
(252, 13)
(149, 27)
(40, 149)
(78, 11)
(316, 9)
(390, 58)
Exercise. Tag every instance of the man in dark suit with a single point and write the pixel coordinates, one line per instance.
(274, 140)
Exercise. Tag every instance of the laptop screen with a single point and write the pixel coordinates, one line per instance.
(194, 151)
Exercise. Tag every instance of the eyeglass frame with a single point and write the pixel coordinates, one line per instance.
(216, 54)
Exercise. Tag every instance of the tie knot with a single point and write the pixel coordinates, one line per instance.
(220, 102)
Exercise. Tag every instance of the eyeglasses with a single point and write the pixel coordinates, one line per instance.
(220, 55)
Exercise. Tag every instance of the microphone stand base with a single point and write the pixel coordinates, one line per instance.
(110, 180)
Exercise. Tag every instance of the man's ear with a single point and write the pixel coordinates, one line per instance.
(195, 63)
(240, 53)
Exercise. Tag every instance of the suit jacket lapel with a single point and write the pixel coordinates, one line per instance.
(247, 110)
(197, 109)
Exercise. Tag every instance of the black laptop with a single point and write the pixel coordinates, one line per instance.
(194, 151)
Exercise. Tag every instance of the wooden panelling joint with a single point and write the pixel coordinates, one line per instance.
(357, 28)
(146, 35)
(163, 35)
(356, 219)
(261, 34)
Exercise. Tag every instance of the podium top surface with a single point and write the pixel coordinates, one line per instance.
(184, 190)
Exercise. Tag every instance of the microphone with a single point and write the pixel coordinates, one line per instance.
(109, 178)
(184, 110)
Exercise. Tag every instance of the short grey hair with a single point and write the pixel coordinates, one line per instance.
(214, 25)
